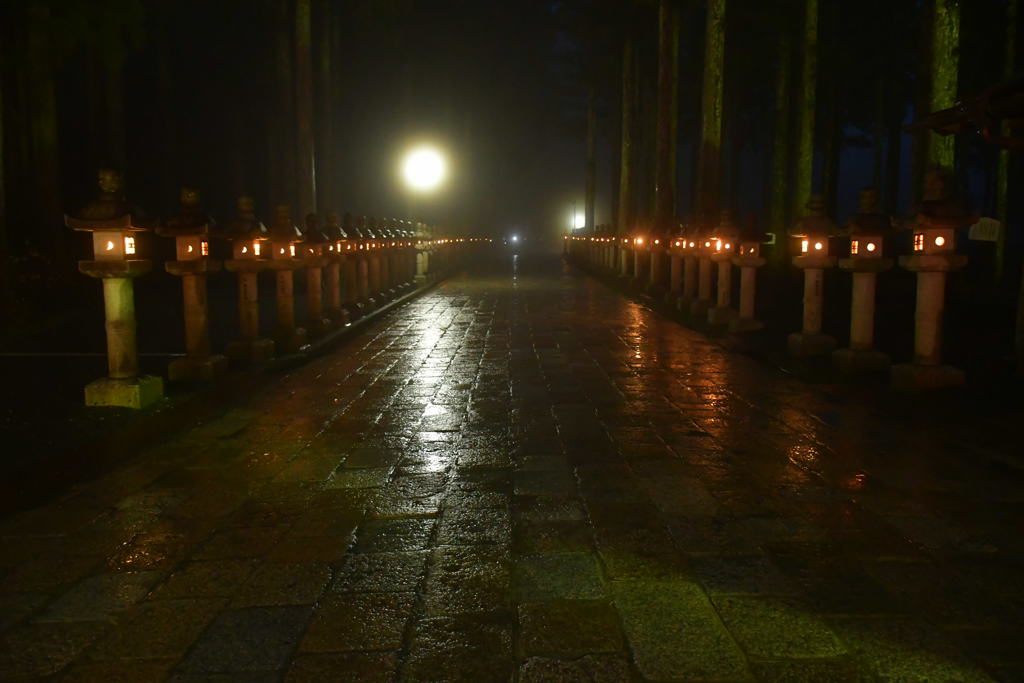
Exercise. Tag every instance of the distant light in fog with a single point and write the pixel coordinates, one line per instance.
(515, 238)
(424, 168)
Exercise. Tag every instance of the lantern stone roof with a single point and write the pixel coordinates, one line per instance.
(937, 210)
(869, 220)
(815, 222)
(109, 211)
(313, 234)
(191, 219)
(726, 228)
(333, 227)
(245, 225)
(369, 228)
(283, 229)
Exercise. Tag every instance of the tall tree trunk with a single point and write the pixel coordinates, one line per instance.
(43, 134)
(5, 253)
(591, 164)
(893, 154)
(674, 137)
(169, 174)
(625, 212)
(325, 132)
(282, 128)
(306, 185)
(803, 182)
(945, 68)
(665, 156)
(709, 164)
(113, 114)
(1003, 170)
(778, 205)
(878, 136)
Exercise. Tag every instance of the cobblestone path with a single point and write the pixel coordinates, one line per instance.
(527, 479)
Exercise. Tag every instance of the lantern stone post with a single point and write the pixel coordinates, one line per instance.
(934, 256)
(115, 225)
(675, 269)
(656, 270)
(868, 230)
(641, 260)
(338, 240)
(700, 305)
(813, 231)
(688, 248)
(284, 236)
(248, 243)
(314, 258)
(723, 247)
(364, 291)
(191, 232)
(748, 260)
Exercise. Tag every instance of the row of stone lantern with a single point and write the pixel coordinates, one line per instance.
(692, 257)
(366, 262)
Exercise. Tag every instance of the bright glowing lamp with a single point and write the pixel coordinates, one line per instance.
(424, 169)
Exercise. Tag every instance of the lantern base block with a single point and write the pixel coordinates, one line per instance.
(290, 340)
(721, 315)
(339, 317)
(316, 327)
(861, 360)
(738, 325)
(804, 345)
(699, 308)
(913, 377)
(251, 350)
(197, 369)
(134, 392)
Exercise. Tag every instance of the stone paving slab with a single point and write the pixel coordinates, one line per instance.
(527, 479)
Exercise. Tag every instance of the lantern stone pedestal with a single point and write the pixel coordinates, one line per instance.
(335, 304)
(723, 313)
(287, 337)
(745, 320)
(656, 272)
(624, 261)
(699, 306)
(316, 322)
(675, 278)
(198, 364)
(689, 283)
(927, 370)
(861, 356)
(250, 348)
(366, 300)
(641, 264)
(810, 341)
(123, 387)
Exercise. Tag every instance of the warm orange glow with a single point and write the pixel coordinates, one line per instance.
(728, 246)
(639, 240)
(818, 246)
(657, 241)
(204, 248)
(871, 246)
(854, 247)
(718, 245)
(940, 240)
(919, 241)
(804, 246)
(110, 246)
(129, 245)
(245, 250)
(255, 248)
(189, 249)
(691, 245)
(677, 243)
(292, 249)
(707, 244)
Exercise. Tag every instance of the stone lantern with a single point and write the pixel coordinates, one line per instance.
(249, 249)
(813, 232)
(373, 255)
(337, 243)
(723, 248)
(658, 247)
(115, 225)
(191, 232)
(689, 251)
(676, 252)
(868, 230)
(748, 259)
(640, 244)
(284, 238)
(934, 256)
(350, 269)
(315, 256)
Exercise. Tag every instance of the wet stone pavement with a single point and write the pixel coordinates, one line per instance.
(527, 479)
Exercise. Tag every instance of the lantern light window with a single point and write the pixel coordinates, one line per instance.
(292, 250)
(204, 248)
(854, 247)
(871, 246)
(940, 241)
(919, 241)
(110, 245)
(818, 246)
(256, 248)
(129, 245)
(804, 245)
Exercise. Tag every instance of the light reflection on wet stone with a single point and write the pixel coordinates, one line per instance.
(545, 481)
